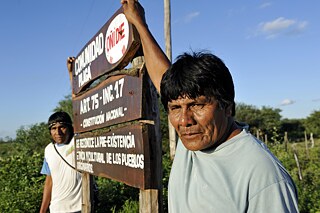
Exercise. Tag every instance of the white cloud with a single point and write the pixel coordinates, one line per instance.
(187, 18)
(191, 16)
(281, 26)
(299, 28)
(264, 5)
(286, 102)
(276, 25)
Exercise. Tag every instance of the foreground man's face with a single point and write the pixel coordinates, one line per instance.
(200, 123)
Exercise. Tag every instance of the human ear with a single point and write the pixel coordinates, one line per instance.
(228, 110)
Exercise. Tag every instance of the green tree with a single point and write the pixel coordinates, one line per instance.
(266, 119)
(312, 123)
(294, 127)
(65, 105)
(36, 136)
(248, 114)
(271, 118)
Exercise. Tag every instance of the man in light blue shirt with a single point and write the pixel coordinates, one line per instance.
(218, 166)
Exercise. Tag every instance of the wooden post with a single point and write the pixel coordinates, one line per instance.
(266, 139)
(87, 193)
(286, 141)
(167, 33)
(167, 28)
(306, 144)
(297, 161)
(311, 140)
(150, 200)
(258, 134)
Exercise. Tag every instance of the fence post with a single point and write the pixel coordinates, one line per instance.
(286, 141)
(297, 161)
(258, 134)
(266, 139)
(306, 144)
(312, 140)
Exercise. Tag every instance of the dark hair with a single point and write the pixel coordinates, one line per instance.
(59, 117)
(196, 74)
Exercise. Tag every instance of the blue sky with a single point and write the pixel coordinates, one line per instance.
(272, 49)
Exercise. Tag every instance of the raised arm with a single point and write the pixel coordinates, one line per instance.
(156, 61)
(70, 61)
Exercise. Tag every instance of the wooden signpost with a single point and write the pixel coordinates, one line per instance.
(115, 110)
